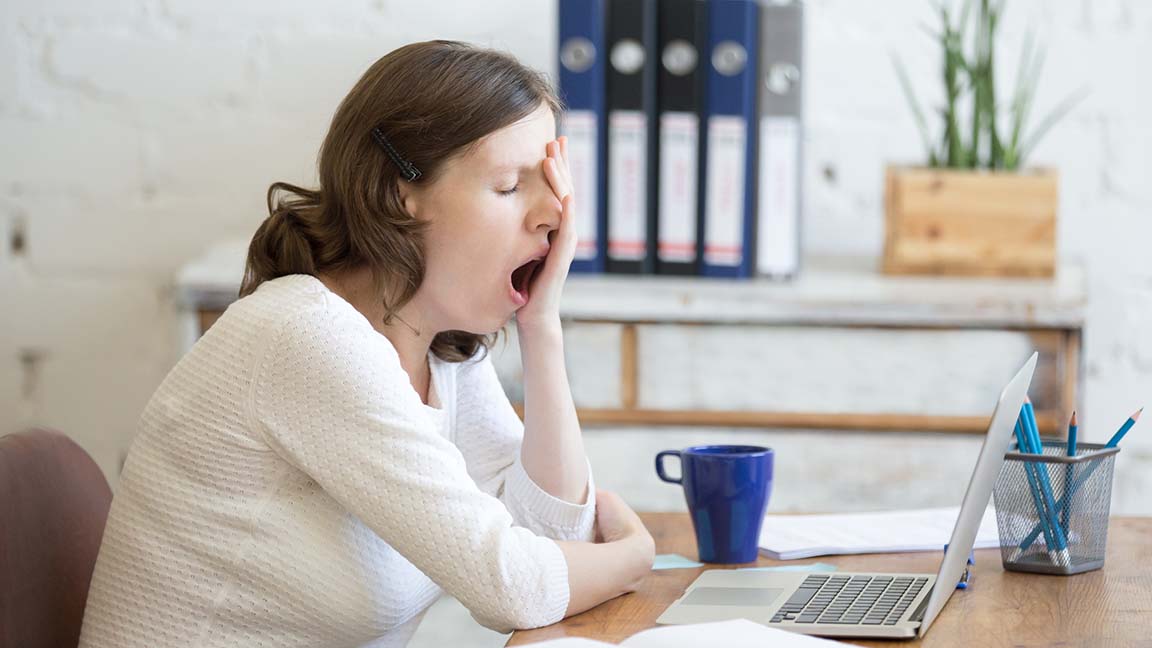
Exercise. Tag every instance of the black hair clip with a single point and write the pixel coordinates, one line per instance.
(410, 173)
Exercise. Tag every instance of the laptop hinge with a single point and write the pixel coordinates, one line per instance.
(918, 614)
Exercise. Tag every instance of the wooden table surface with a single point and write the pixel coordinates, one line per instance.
(1111, 606)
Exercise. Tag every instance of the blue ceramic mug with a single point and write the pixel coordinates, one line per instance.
(727, 489)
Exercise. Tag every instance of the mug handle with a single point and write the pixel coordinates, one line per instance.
(660, 466)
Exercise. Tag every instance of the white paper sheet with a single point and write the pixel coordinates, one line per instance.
(787, 537)
(738, 633)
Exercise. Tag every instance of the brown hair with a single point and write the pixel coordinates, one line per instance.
(432, 101)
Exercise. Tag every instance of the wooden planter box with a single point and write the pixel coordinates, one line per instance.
(943, 221)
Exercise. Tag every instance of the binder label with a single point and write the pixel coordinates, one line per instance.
(679, 147)
(580, 128)
(627, 200)
(779, 235)
(724, 202)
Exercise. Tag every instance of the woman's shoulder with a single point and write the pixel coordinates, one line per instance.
(285, 294)
(299, 310)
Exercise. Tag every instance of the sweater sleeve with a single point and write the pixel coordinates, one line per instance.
(331, 398)
(489, 434)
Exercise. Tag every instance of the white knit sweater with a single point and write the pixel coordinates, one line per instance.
(289, 488)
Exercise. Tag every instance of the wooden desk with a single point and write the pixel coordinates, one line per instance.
(1111, 606)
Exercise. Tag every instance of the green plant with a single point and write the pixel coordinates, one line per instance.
(972, 77)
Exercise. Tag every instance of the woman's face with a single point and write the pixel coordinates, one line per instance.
(490, 212)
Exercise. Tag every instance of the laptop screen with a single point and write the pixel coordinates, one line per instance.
(979, 490)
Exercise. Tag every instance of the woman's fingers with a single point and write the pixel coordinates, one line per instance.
(564, 165)
(557, 151)
(566, 210)
(561, 185)
(553, 176)
(567, 224)
(563, 242)
(565, 233)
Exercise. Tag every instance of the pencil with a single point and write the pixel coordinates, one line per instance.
(1049, 499)
(1032, 474)
(1115, 440)
(1065, 514)
(1036, 531)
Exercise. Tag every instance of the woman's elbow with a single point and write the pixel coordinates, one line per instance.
(525, 586)
(512, 615)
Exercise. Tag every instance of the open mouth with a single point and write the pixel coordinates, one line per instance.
(522, 278)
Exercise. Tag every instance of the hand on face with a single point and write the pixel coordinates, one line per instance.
(543, 305)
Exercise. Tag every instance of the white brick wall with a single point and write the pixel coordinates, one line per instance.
(857, 120)
(136, 132)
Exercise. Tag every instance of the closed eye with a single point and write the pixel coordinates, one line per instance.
(508, 192)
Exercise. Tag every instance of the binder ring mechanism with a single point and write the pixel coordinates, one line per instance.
(781, 78)
(729, 58)
(578, 54)
(628, 56)
(679, 57)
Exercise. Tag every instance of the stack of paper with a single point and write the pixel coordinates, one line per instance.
(738, 633)
(786, 537)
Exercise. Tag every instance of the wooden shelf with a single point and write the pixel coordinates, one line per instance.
(844, 293)
(800, 420)
(830, 292)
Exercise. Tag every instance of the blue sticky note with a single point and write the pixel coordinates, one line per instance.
(673, 561)
(810, 567)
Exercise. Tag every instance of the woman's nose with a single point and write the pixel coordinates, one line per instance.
(544, 213)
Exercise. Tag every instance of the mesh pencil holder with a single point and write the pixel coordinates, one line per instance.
(1052, 510)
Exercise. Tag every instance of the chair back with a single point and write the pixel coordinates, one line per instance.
(54, 502)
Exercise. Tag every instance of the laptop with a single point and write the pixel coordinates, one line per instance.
(866, 605)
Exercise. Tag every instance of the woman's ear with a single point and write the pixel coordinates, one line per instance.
(408, 198)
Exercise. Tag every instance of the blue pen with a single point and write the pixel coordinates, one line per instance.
(1112, 443)
(1046, 484)
(1065, 512)
(966, 577)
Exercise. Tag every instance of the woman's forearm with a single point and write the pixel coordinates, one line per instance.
(599, 572)
(553, 450)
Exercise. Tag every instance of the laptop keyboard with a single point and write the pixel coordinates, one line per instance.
(851, 600)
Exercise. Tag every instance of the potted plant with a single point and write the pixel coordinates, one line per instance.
(975, 209)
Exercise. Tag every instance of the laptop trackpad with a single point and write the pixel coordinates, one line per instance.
(740, 596)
